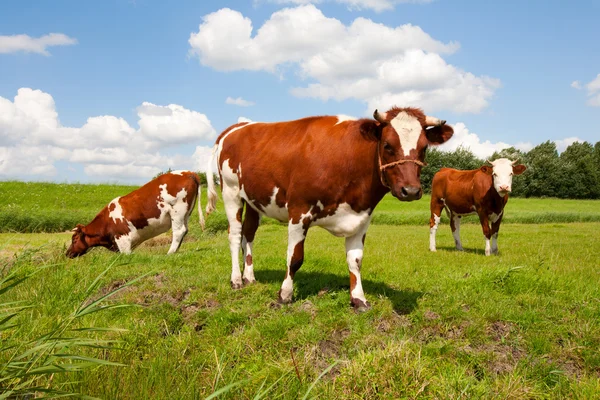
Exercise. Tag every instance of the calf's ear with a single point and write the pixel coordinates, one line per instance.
(439, 134)
(486, 169)
(519, 169)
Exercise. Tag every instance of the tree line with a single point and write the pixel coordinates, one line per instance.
(572, 174)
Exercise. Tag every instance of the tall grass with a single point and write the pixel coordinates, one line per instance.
(29, 360)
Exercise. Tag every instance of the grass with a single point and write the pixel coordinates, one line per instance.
(524, 324)
(47, 207)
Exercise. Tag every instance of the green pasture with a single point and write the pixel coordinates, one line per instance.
(48, 207)
(523, 324)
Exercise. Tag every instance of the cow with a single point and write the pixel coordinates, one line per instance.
(163, 203)
(327, 171)
(482, 191)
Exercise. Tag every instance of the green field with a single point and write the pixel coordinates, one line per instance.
(523, 324)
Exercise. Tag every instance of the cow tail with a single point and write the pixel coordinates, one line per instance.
(447, 211)
(210, 183)
(200, 213)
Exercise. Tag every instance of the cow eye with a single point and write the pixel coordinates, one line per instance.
(387, 147)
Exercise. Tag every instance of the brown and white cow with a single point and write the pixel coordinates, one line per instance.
(163, 203)
(482, 191)
(322, 171)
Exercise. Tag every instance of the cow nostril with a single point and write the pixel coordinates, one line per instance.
(404, 191)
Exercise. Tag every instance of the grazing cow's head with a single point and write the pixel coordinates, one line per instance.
(404, 135)
(502, 171)
(78, 246)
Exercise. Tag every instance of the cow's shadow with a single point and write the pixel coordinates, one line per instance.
(472, 250)
(310, 283)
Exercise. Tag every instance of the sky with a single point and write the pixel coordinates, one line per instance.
(117, 91)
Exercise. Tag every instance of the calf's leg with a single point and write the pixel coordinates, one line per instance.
(179, 225)
(455, 226)
(436, 213)
(233, 209)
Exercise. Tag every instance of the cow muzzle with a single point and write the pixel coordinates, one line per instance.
(409, 193)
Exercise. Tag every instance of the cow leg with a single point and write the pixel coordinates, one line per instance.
(249, 227)
(354, 256)
(455, 226)
(295, 258)
(179, 226)
(494, 233)
(233, 209)
(434, 221)
(485, 226)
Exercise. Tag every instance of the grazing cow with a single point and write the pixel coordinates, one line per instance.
(326, 171)
(163, 203)
(482, 191)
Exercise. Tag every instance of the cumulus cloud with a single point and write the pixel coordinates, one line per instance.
(576, 85)
(374, 63)
(238, 101)
(376, 5)
(27, 44)
(464, 138)
(592, 89)
(32, 140)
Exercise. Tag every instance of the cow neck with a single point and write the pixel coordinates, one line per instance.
(382, 168)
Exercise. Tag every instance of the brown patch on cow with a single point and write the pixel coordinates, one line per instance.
(249, 259)
(413, 112)
(238, 214)
(352, 281)
(297, 259)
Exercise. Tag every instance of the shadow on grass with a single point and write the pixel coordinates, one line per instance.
(465, 250)
(309, 283)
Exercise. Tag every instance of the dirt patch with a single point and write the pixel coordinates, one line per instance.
(393, 321)
(430, 315)
(158, 241)
(308, 307)
(500, 331)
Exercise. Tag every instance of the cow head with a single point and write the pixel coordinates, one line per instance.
(78, 246)
(404, 135)
(502, 171)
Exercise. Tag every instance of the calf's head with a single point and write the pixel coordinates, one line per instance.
(79, 246)
(502, 171)
(404, 135)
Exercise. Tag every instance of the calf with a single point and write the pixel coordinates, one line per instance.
(163, 203)
(482, 191)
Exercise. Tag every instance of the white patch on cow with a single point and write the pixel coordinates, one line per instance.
(320, 205)
(296, 234)
(272, 210)
(178, 172)
(408, 129)
(487, 246)
(354, 256)
(232, 202)
(345, 221)
(433, 231)
(474, 208)
(495, 217)
(343, 118)
(502, 175)
(456, 233)
(117, 212)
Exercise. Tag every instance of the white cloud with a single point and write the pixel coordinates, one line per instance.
(32, 139)
(243, 119)
(576, 85)
(377, 64)
(463, 138)
(562, 144)
(376, 5)
(238, 101)
(593, 90)
(594, 85)
(27, 44)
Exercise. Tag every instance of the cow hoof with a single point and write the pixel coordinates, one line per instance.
(360, 306)
(249, 282)
(236, 286)
(433, 250)
(282, 300)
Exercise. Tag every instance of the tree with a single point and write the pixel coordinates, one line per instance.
(581, 177)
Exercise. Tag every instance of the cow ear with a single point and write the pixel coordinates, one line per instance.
(370, 129)
(486, 169)
(519, 169)
(439, 134)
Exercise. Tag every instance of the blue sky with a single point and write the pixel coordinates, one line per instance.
(123, 89)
